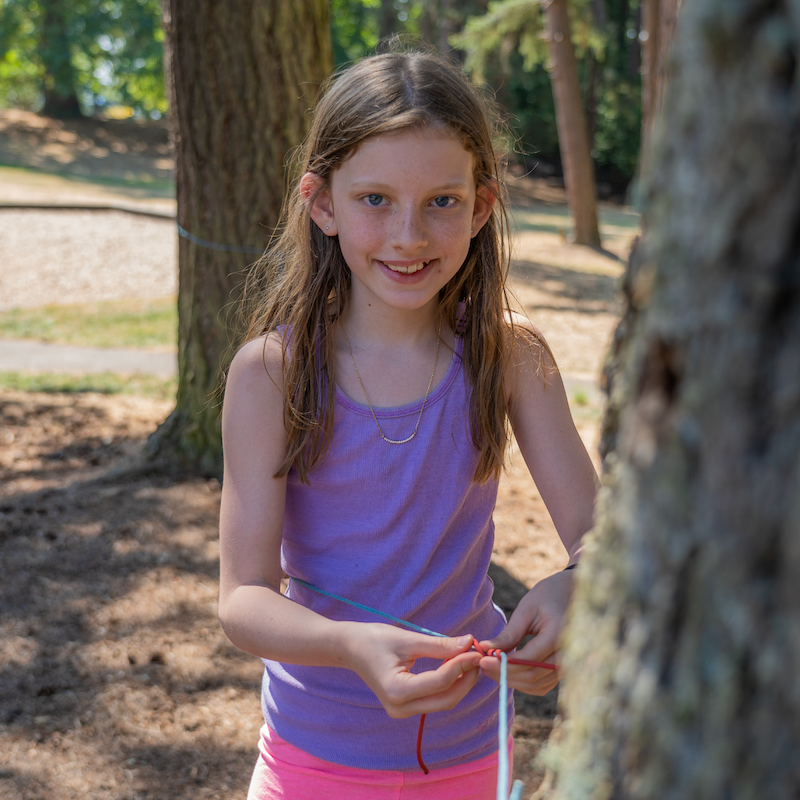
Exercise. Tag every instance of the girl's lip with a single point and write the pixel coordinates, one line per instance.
(398, 263)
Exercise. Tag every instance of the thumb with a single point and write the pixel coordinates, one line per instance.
(513, 633)
(445, 647)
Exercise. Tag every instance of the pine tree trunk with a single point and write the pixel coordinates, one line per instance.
(683, 652)
(242, 77)
(573, 139)
(659, 20)
(388, 19)
(448, 25)
(60, 98)
(651, 25)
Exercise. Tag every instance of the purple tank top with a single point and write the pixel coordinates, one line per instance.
(403, 529)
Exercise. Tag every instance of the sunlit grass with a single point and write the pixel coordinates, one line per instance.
(585, 404)
(580, 397)
(101, 382)
(557, 219)
(147, 182)
(125, 323)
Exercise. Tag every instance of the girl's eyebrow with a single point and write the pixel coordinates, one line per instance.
(365, 183)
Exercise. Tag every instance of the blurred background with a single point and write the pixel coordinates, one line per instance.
(105, 59)
(118, 682)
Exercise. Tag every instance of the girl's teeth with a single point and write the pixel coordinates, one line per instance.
(408, 270)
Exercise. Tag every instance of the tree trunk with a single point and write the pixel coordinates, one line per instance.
(388, 19)
(428, 21)
(667, 21)
(659, 19)
(651, 25)
(683, 651)
(448, 25)
(55, 52)
(241, 79)
(572, 132)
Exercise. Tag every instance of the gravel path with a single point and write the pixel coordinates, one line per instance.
(67, 256)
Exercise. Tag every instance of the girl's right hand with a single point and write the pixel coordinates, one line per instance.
(383, 655)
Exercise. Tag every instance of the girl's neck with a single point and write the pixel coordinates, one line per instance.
(389, 327)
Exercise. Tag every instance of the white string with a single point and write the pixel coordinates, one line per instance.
(502, 735)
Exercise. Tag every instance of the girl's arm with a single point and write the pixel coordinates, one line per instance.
(254, 614)
(566, 479)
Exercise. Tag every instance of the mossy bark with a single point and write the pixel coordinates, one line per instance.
(682, 654)
(241, 79)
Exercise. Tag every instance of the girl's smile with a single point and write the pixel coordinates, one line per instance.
(404, 207)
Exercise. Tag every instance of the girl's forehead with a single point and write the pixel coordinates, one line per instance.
(416, 150)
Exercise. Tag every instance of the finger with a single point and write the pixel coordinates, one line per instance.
(531, 680)
(543, 647)
(415, 645)
(431, 699)
(535, 687)
(523, 621)
(435, 681)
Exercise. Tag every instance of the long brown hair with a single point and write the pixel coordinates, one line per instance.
(302, 283)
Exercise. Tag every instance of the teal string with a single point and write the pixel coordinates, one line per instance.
(502, 716)
(224, 248)
(383, 614)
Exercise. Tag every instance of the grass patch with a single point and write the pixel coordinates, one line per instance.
(124, 323)
(101, 382)
(580, 397)
(143, 182)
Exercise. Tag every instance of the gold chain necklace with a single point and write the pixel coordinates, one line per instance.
(424, 401)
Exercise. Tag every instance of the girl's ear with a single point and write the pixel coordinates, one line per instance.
(485, 198)
(318, 202)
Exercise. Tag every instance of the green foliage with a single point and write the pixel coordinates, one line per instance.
(504, 49)
(354, 29)
(356, 24)
(105, 52)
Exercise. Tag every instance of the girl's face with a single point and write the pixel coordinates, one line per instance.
(404, 207)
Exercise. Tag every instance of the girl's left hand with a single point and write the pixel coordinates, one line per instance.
(540, 613)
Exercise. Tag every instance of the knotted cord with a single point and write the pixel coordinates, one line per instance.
(505, 660)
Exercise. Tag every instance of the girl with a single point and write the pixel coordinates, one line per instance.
(364, 426)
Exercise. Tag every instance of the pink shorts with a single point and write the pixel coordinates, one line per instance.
(284, 772)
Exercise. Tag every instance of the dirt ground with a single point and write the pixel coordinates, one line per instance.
(115, 678)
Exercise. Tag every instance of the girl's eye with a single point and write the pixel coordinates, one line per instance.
(374, 199)
(444, 201)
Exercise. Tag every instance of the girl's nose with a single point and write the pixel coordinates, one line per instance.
(409, 232)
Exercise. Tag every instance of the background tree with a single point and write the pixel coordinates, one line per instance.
(683, 650)
(659, 19)
(573, 136)
(241, 80)
(525, 23)
(66, 56)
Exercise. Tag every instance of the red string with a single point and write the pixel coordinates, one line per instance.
(496, 654)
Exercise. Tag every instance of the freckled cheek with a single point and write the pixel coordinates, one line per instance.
(359, 241)
(455, 244)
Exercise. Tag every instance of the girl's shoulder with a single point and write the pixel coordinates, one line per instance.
(524, 339)
(258, 363)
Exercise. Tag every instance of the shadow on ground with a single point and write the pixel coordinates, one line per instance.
(570, 289)
(116, 679)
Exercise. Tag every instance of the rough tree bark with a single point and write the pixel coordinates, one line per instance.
(573, 139)
(683, 651)
(241, 79)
